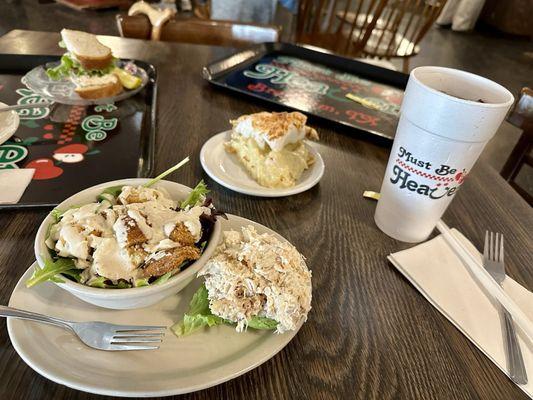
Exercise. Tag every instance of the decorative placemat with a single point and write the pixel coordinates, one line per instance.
(75, 147)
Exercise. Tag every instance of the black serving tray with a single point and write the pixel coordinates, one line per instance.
(315, 82)
(75, 147)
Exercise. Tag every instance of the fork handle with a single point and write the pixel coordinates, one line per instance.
(24, 106)
(515, 361)
(22, 314)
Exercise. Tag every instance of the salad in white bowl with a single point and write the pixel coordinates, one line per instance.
(127, 235)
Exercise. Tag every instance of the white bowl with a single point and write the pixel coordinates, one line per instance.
(124, 299)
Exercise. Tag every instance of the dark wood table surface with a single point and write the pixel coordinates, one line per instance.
(370, 334)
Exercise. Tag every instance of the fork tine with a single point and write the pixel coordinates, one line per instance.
(126, 328)
(501, 247)
(146, 339)
(131, 334)
(496, 246)
(491, 256)
(486, 247)
(129, 347)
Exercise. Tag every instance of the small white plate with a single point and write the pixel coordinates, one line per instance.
(201, 360)
(226, 169)
(9, 122)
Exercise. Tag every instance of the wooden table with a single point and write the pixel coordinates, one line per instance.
(370, 334)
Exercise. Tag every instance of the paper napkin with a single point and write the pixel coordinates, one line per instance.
(13, 183)
(448, 285)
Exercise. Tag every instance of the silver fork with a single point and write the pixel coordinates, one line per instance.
(493, 262)
(99, 335)
(24, 106)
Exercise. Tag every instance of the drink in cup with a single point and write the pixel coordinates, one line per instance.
(447, 117)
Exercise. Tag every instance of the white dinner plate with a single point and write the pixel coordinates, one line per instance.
(226, 169)
(9, 122)
(201, 360)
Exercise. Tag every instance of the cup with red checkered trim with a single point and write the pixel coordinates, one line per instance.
(447, 116)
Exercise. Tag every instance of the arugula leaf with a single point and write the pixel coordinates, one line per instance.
(109, 192)
(196, 196)
(121, 284)
(162, 279)
(167, 172)
(74, 274)
(56, 215)
(198, 316)
(98, 282)
(262, 323)
(141, 282)
(50, 270)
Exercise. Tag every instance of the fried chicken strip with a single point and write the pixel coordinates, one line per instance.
(170, 260)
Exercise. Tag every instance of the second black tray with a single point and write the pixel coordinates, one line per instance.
(75, 147)
(316, 83)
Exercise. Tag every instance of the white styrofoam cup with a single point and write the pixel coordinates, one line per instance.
(447, 116)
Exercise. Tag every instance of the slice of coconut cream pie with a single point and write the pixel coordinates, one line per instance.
(271, 146)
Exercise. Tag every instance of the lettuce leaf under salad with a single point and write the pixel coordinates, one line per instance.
(200, 316)
(61, 267)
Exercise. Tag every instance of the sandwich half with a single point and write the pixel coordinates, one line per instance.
(89, 64)
(87, 50)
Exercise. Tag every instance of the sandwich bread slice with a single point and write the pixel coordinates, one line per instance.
(98, 87)
(86, 49)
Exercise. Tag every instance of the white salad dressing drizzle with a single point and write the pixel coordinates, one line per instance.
(72, 243)
(111, 261)
(97, 239)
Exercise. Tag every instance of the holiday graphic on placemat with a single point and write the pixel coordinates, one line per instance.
(70, 147)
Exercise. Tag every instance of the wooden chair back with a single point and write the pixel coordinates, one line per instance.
(401, 27)
(201, 10)
(197, 31)
(318, 24)
(521, 116)
(157, 17)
